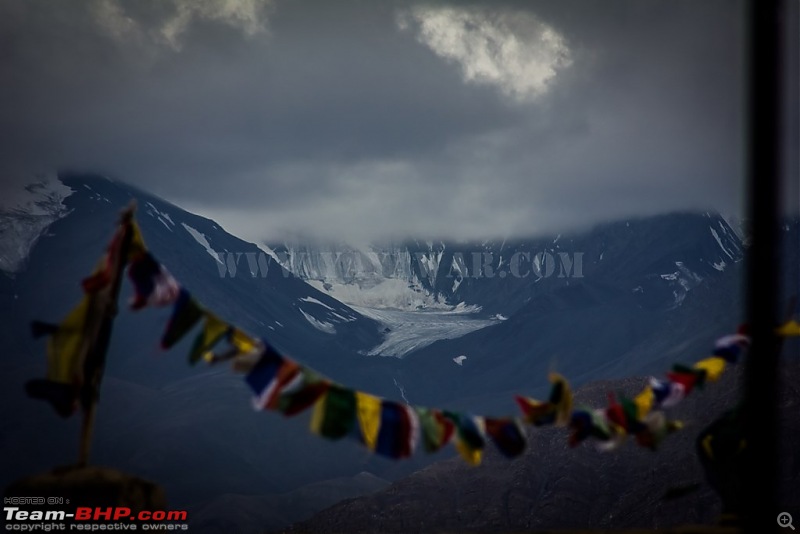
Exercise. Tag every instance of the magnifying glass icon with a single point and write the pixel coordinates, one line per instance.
(785, 520)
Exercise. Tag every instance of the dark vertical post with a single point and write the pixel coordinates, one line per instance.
(764, 73)
(96, 356)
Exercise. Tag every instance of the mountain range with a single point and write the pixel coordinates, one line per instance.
(451, 324)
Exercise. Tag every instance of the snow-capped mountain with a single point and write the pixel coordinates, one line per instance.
(634, 294)
(660, 259)
(26, 211)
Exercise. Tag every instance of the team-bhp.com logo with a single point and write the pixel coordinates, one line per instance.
(94, 519)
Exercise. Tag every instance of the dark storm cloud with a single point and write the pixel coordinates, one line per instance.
(365, 119)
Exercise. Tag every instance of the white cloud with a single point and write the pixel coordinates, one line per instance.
(513, 51)
(111, 18)
(247, 16)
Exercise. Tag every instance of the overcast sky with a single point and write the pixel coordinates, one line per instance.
(363, 119)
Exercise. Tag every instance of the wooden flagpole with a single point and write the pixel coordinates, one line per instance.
(94, 365)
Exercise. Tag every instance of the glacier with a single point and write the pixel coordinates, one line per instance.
(381, 282)
(408, 331)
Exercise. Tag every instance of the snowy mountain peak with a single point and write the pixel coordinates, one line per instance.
(26, 211)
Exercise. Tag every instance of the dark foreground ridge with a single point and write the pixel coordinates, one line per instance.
(554, 487)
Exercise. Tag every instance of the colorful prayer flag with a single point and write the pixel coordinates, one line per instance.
(667, 393)
(470, 436)
(436, 429)
(335, 413)
(185, 314)
(731, 347)
(301, 392)
(507, 435)
(66, 353)
(399, 430)
(269, 377)
(713, 367)
(656, 428)
(108, 264)
(644, 402)
(588, 423)
(153, 284)
(537, 413)
(213, 331)
(556, 410)
(369, 418)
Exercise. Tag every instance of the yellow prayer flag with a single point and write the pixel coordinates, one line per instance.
(137, 245)
(563, 404)
(214, 329)
(67, 346)
(644, 402)
(713, 366)
(244, 343)
(470, 455)
(318, 416)
(369, 417)
(789, 329)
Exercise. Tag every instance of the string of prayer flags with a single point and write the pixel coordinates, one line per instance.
(334, 413)
(385, 427)
(436, 429)
(73, 364)
(507, 435)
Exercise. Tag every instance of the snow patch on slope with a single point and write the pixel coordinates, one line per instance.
(719, 241)
(315, 301)
(322, 326)
(162, 216)
(25, 214)
(686, 280)
(201, 239)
